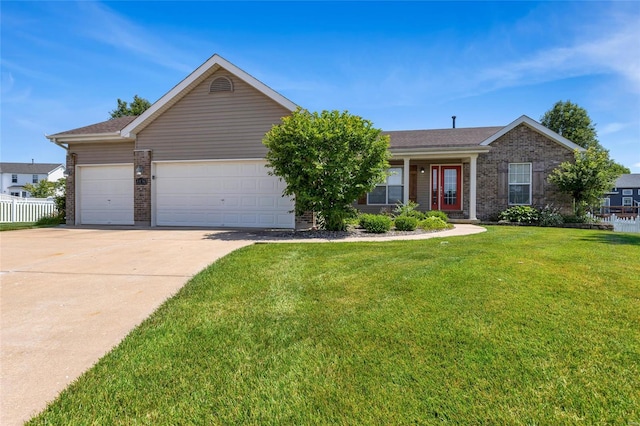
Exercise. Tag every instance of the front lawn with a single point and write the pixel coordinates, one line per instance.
(14, 226)
(512, 326)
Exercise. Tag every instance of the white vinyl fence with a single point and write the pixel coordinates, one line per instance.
(622, 224)
(16, 209)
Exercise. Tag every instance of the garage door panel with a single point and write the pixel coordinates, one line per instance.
(233, 194)
(105, 195)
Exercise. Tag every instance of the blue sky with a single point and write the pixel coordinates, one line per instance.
(402, 65)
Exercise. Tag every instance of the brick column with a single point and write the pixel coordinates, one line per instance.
(142, 187)
(306, 220)
(70, 188)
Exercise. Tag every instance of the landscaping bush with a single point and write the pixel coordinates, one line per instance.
(406, 223)
(52, 220)
(378, 224)
(408, 209)
(550, 216)
(437, 213)
(520, 214)
(433, 223)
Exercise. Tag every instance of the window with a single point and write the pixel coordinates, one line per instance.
(15, 194)
(627, 201)
(627, 192)
(14, 178)
(34, 179)
(389, 192)
(520, 183)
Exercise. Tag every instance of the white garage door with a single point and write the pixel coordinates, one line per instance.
(106, 195)
(225, 194)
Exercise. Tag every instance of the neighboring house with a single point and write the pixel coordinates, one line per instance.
(196, 158)
(15, 175)
(626, 194)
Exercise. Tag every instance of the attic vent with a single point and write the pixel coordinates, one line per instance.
(221, 84)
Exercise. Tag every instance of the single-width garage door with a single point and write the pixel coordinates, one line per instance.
(105, 195)
(220, 193)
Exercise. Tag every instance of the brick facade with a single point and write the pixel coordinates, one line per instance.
(305, 221)
(142, 187)
(520, 145)
(70, 189)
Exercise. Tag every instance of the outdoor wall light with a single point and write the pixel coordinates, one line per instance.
(421, 170)
(139, 170)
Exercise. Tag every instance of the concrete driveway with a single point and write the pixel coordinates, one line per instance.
(68, 295)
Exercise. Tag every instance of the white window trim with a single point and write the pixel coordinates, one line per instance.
(530, 184)
(14, 178)
(630, 199)
(386, 188)
(35, 179)
(627, 192)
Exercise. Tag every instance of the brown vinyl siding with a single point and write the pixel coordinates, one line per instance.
(103, 153)
(221, 125)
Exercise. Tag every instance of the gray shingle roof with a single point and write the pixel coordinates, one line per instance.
(441, 138)
(628, 181)
(109, 126)
(28, 168)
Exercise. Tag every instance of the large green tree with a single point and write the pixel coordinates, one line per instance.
(571, 121)
(136, 107)
(587, 178)
(327, 160)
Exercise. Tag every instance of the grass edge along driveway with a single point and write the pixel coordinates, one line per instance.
(512, 326)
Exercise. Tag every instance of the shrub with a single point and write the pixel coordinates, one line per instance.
(433, 223)
(408, 209)
(437, 213)
(378, 224)
(550, 216)
(52, 220)
(520, 214)
(406, 223)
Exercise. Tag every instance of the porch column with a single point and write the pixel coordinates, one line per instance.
(472, 186)
(405, 180)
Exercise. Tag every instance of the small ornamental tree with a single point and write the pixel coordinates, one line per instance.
(328, 160)
(42, 189)
(587, 179)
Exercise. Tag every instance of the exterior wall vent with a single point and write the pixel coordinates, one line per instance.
(221, 84)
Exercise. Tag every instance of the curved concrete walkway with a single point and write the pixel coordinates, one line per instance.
(69, 295)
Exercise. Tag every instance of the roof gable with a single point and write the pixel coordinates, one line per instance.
(534, 125)
(193, 80)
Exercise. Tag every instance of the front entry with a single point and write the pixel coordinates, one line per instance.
(446, 187)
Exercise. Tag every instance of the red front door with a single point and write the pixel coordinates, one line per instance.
(446, 188)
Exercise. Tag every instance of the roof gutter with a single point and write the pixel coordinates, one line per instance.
(89, 137)
(438, 153)
(60, 144)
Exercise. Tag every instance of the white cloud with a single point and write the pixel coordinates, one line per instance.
(614, 50)
(613, 128)
(106, 26)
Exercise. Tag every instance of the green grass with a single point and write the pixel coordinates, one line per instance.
(14, 226)
(44, 222)
(514, 326)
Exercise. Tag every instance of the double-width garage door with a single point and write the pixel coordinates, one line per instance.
(219, 193)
